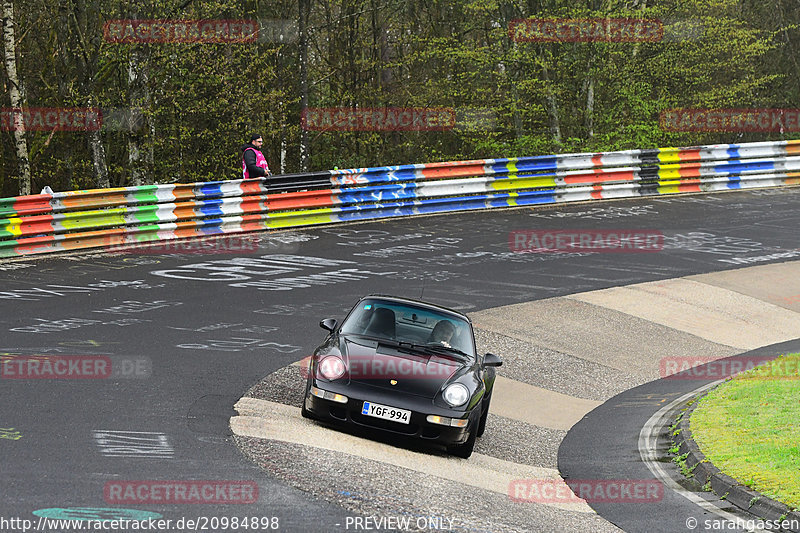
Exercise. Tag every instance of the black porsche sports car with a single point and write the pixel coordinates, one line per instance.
(406, 367)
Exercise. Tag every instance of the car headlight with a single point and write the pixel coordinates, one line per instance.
(331, 367)
(456, 394)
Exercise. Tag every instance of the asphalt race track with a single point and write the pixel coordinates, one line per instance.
(188, 334)
(610, 433)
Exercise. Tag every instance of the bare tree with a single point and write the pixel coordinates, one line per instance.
(139, 156)
(303, 48)
(17, 98)
(79, 49)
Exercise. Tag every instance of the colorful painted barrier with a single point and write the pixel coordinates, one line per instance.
(128, 216)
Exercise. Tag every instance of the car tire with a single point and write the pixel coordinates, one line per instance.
(464, 450)
(484, 416)
(305, 413)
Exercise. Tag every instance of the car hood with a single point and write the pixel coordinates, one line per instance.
(385, 366)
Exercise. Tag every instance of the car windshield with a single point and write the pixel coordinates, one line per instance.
(402, 322)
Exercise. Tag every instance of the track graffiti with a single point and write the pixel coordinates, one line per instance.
(353, 238)
(134, 306)
(710, 243)
(10, 434)
(238, 344)
(434, 245)
(117, 443)
(44, 325)
(55, 291)
(246, 272)
(600, 213)
(307, 309)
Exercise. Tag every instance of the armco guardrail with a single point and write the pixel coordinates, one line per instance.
(126, 216)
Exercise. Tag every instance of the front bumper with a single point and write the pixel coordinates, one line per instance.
(418, 426)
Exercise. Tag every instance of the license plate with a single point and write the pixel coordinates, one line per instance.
(385, 412)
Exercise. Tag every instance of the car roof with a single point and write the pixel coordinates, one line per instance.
(418, 303)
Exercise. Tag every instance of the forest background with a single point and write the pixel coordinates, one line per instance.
(179, 111)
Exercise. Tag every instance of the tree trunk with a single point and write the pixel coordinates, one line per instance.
(303, 58)
(552, 107)
(283, 150)
(99, 166)
(513, 77)
(589, 118)
(17, 99)
(642, 6)
(382, 52)
(785, 24)
(519, 129)
(98, 152)
(138, 98)
(74, 26)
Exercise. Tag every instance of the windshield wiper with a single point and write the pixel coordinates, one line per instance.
(387, 342)
(434, 348)
(447, 349)
(430, 348)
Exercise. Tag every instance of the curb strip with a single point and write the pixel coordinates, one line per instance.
(724, 486)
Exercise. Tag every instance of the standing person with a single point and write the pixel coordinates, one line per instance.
(254, 164)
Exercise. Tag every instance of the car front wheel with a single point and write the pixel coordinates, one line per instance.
(305, 412)
(464, 450)
(484, 416)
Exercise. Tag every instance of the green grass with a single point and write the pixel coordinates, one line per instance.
(749, 428)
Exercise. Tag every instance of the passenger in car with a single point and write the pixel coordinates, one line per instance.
(442, 333)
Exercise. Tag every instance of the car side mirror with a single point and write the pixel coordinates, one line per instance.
(328, 323)
(491, 359)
